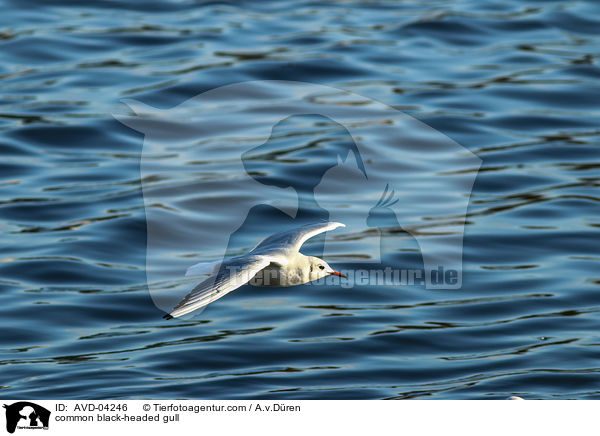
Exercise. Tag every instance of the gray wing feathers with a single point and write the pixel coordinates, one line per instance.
(293, 239)
(203, 268)
(232, 274)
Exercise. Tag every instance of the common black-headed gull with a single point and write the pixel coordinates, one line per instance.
(276, 261)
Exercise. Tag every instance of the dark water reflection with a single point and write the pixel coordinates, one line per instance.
(514, 82)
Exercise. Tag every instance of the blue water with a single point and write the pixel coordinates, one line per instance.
(514, 82)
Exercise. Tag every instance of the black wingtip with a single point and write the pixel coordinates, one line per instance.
(168, 316)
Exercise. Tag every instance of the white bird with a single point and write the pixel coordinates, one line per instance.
(276, 261)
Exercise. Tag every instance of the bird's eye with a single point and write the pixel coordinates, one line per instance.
(321, 267)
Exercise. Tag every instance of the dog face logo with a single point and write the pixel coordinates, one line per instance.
(26, 415)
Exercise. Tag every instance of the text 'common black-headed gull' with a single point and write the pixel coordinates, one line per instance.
(276, 261)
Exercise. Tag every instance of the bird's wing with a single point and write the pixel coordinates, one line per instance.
(203, 268)
(232, 274)
(293, 239)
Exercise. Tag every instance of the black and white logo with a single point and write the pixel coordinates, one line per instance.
(26, 415)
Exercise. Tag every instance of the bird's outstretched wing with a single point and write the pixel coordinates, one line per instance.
(232, 274)
(293, 239)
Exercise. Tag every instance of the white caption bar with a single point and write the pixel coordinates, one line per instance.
(189, 417)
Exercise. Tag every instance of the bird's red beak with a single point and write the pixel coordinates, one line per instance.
(337, 273)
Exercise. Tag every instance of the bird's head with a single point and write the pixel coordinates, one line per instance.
(319, 268)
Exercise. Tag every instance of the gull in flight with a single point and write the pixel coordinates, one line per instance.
(276, 261)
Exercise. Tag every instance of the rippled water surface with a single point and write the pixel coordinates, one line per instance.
(514, 82)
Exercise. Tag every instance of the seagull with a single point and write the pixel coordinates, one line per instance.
(276, 261)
